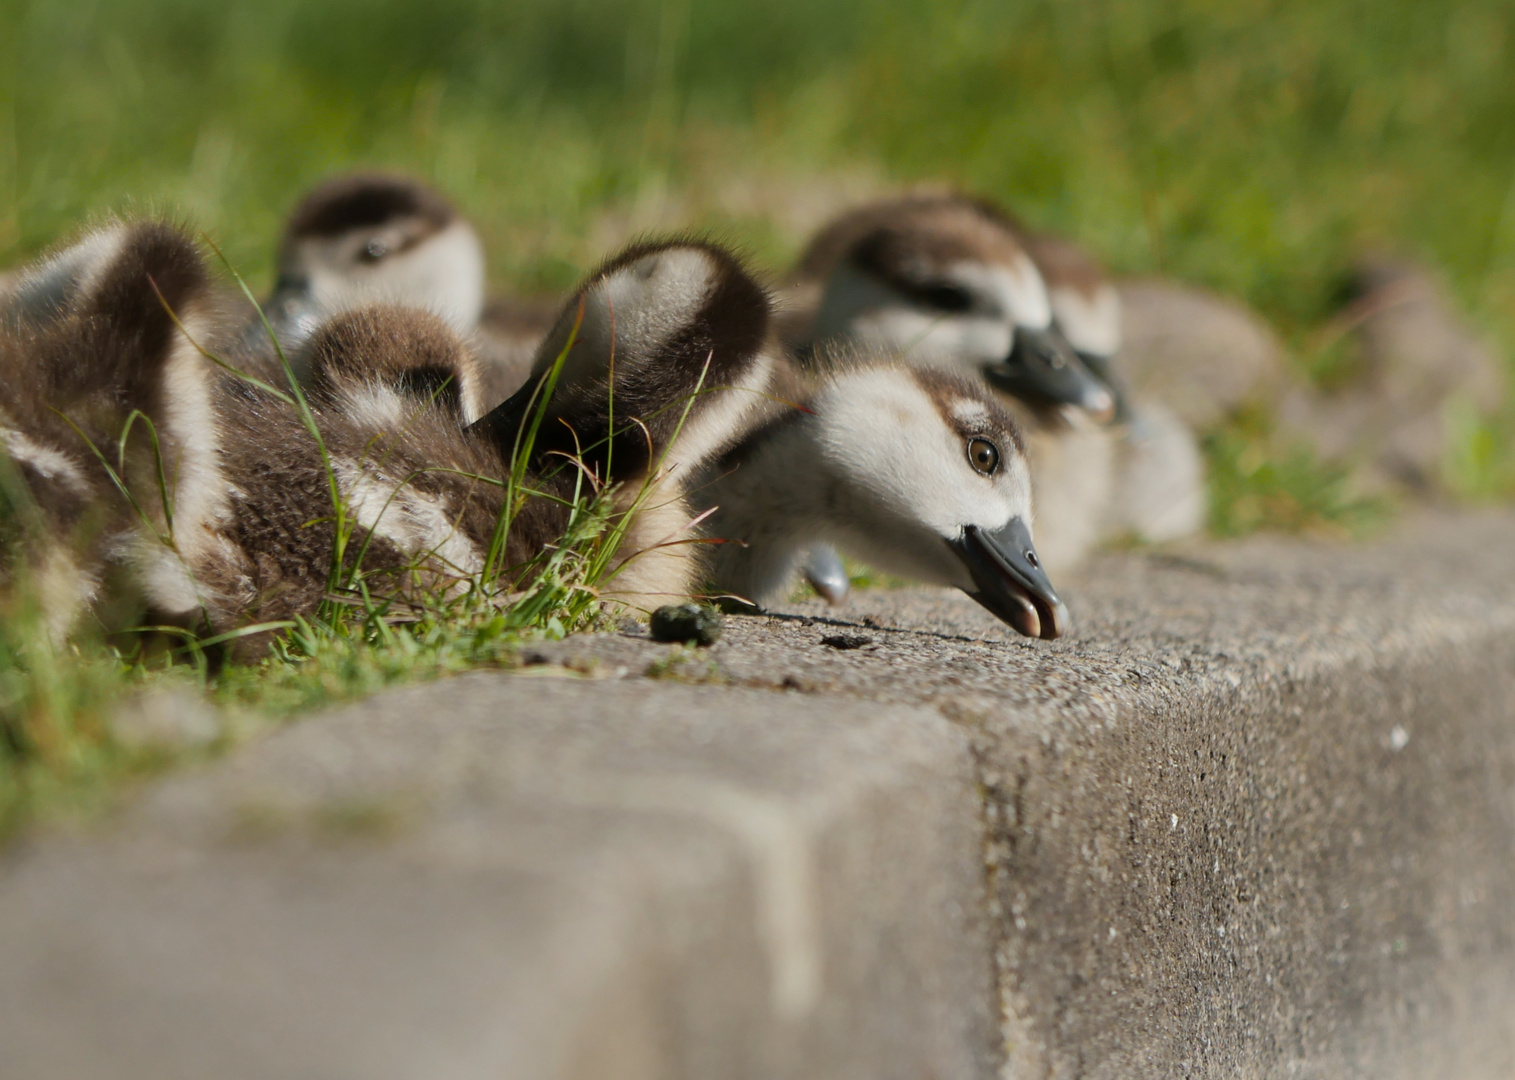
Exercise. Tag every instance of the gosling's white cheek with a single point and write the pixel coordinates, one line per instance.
(905, 457)
(970, 341)
(984, 503)
(981, 340)
(447, 272)
(1016, 286)
(1015, 491)
(892, 329)
(331, 292)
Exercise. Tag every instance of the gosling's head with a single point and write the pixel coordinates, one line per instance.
(945, 280)
(1085, 306)
(374, 238)
(926, 475)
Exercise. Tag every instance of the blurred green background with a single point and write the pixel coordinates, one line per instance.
(1250, 145)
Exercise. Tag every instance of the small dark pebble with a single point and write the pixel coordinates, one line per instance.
(847, 641)
(699, 623)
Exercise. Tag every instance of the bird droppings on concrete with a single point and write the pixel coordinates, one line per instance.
(846, 641)
(694, 624)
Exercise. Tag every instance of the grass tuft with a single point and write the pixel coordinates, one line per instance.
(1255, 485)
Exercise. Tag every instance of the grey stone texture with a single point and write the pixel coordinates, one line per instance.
(1255, 817)
(507, 876)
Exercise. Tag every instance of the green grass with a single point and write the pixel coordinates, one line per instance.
(1256, 484)
(1249, 145)
(1254, 146)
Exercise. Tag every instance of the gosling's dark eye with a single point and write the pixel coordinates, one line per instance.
(983, 455)
(374, 250)
(945, 297)
(938, 296)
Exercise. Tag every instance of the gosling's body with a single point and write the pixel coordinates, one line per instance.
(247, 534)
(1158, 491)
(662, 365)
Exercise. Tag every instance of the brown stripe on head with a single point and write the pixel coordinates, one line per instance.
(156, 270)
(365, 200)
(967, 407)
(126, 322)
(732, 319)
(904, 240)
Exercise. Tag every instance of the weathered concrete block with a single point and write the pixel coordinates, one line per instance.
(521, 877)
(1256, 817)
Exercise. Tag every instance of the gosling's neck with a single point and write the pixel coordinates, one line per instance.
(771, 499)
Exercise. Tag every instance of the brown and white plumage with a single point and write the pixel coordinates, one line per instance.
(1158, 490)
(231, 521)
(90, 344)
(1141, 476)
(918, 471)
(247, 532)
(365, 238)
(948, 281)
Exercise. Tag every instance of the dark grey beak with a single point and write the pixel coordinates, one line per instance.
(1042, 369)
(826, 574)
(1010, 579)
(291, 311)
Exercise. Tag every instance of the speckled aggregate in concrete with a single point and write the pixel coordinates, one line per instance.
(1255, 817)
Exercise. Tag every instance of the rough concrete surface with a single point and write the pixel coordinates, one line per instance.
(1255, 817)
(522, 877)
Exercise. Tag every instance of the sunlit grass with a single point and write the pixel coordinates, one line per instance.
(1257, 484)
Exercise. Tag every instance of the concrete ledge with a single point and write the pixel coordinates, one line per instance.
(515, 877)
(1257, 818)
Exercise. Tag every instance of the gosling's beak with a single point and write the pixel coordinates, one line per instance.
(1043, 369)
(827, 575)
(1010, 579)
(291, 311)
